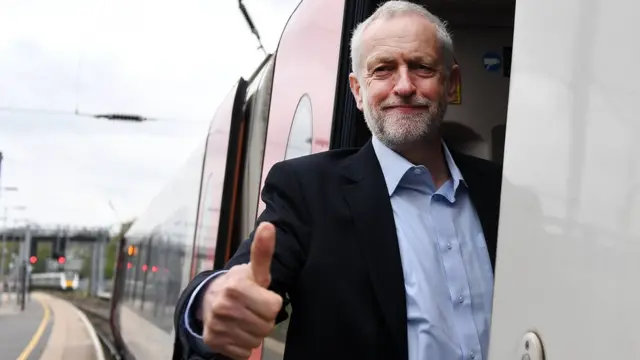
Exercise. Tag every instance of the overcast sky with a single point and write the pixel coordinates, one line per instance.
(173, 60)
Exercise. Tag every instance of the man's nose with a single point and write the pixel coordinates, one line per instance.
(404, 85)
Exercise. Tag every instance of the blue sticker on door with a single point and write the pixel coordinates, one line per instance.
(491, 61)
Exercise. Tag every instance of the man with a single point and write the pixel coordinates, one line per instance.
(384, 252)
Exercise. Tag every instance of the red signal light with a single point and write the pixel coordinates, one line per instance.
(61, 260)
(33, 259)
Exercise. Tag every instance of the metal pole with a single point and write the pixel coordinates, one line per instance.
(19, 274)
(101, 260)
(93, 286)
(2, 256)
(16, 276)
(25, 272)
(18, 267)
(23, 290)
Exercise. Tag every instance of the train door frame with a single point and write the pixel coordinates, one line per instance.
(229, 115)
(289, 84)
(348, 127)
(242, 131)
(232, 177)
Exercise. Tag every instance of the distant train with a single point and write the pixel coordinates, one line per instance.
(66, 281)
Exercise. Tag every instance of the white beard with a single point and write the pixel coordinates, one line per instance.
(397, 129)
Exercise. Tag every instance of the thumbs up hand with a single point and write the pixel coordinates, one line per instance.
(238, 309)
(262, 248)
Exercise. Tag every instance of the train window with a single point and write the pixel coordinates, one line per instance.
(299, 143)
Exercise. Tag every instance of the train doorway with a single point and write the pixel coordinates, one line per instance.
(475, 121)
(483, 36)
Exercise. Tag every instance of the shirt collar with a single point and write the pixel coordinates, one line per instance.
(394, 166)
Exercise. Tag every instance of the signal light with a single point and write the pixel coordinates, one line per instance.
(33, 259)
(61, 260)
(132, 250)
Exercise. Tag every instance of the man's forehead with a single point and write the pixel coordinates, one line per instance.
(399, 25)
(396, 30)
(412, 33)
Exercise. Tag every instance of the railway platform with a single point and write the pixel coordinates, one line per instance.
(48, 329)
(23, 333)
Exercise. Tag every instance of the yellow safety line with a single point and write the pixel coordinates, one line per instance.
(36, 337)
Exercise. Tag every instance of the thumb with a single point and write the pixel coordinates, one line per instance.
(262, 248)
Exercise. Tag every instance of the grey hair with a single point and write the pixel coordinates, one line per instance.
(394, 8)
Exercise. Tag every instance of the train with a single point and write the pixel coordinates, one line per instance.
(547, 90)
(56, 281)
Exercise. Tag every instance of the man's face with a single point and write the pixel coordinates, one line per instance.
(403, 88)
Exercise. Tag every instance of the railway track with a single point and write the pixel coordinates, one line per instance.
(97, 311)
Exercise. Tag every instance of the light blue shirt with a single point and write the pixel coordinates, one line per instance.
(446, 265)
(447, 270)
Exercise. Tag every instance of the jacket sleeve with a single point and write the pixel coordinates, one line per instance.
(287, 211)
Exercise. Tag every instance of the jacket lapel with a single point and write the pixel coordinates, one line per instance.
(365, 192)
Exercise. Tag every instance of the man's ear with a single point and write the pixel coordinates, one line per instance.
(355, 90)
(453, 82)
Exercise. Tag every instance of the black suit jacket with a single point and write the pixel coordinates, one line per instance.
(337, 257)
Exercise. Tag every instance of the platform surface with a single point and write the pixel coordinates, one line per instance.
(23, 334)
(48, 329)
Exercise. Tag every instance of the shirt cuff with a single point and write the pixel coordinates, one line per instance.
(188, 315)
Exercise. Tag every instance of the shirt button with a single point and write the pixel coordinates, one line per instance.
(449, 247)
(460, 299)
(417, 171)
(472, 354)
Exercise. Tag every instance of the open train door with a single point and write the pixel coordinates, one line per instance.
(568, 247)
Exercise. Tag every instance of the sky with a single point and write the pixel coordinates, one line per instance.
(64, 60)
